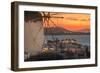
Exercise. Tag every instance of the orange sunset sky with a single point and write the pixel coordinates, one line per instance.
(71, 21)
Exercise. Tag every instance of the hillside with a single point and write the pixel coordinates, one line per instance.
(60, 31)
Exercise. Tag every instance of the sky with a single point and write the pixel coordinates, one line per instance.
(71, 21)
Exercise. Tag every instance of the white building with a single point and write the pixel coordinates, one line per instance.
(33, 32)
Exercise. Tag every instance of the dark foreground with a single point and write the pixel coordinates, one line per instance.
(51, 55)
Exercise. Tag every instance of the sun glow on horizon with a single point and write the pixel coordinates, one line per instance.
(71, 21)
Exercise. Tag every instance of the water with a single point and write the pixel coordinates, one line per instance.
(83, 39)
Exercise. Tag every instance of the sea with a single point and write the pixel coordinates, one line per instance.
(82, 39)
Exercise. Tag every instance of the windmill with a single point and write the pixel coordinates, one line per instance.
(34, 37)
(33, 33)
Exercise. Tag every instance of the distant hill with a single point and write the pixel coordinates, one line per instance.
(86, 30)
(60, 31)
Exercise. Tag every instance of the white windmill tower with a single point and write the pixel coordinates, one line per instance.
(34, 30)
(33, 33)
